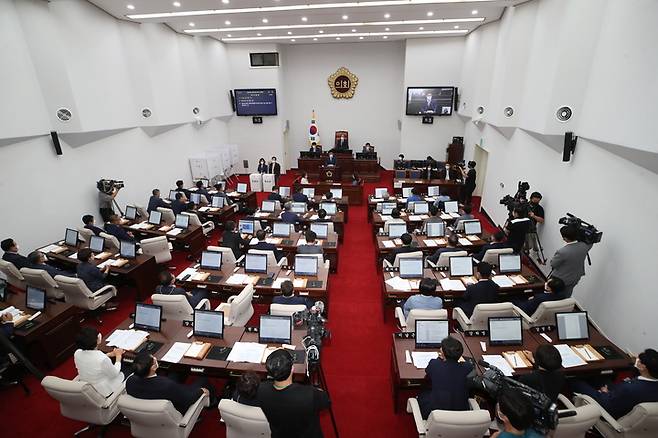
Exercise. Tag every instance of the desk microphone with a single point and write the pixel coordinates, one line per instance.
(34, 316)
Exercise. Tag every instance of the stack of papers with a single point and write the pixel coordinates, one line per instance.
(74, 255)
(176, 352)
(386, 218)
(424, 216)
(397, 241)
(51, 248)
(187, 271)
(415, 218)
(398, 283)
(388, 244)
(448, 284)
(261, 214)
(174, 232)
(203, 209)
(15, 313)
(502, 281)
(141, 226)
(473, 238)
(586, 352)
(430, 242)
(111, 262)
(569, 358)
(233, 194)
(464, 241)
(430, 198)
(454, 215)
(251, 352)
(299, 282)
(315, 217)
(273, 240)
(422, 358)
(445, 216)
(253, 241)
(499, 362)
(127, 339)
(518, 279)
(237, 279)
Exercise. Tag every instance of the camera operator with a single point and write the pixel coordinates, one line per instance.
(518, 228)
(536, 215)
(568, 263)
(516, 412)
(106, 195)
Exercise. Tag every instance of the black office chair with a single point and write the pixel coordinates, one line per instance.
(12, 365)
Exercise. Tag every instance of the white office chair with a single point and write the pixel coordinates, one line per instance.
(407, 255)
(13, 275)
(168, 216)
(238, 309)
(545, 313)
(243, 421)
(392, 221)
(159, 418)
(85, 234)
(408, 324)
(176, 307)
(227, 253)
(491, 256)
(450, 424)
(204, 200)
(111, 242)
(576, 426)
(78, 294)
(641, 422)
(479, 320)
(79, 401)
(286, 309)
(271, 259)
(141, 211)
(444, 258)
(41, 279)
(208, 226)
(158, 247)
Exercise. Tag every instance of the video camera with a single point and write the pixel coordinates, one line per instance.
(587, 233)
(494, 381)
(316, 330)
(519, 200)
(108, 185)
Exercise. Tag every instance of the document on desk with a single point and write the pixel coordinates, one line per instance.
(301, 241)
(187, 271)
(253, 241)
(465, 242)
(233, 194)
(237, 279)
(518, 279)
(422, 358)
(499, 362)
(502, 280)
(388, 244)
(397, 184)
(174, 232)
(569, 357)
(104, 264)
(251, 352)
(415, 218)
(261, 214)
(204, 209)
(127, 339)
(473, 238)
(176, 352)
(277, 283)
(386, 218)
(398, 283)
(430, 242)
(51, 248)
(274, 240)
(15, 313)
(448, 284)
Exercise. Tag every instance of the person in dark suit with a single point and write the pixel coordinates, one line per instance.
(93, 277)
(38, 261)
(467, 214)
(517, 229)
(275, 196)
(275, 169)
(232, 239)
(298, 195)
(167, 286)
(314, 149)
(553, 290)
(88, 221)
(515, 412)
(264, 246)
(453, 241)
(497, 242)
(311, 246)
(429, 106)
(201, 190)
(262, 166)
(156, 201)
(10, 247)
(447, 172)
(341, 143)
(180, 204)
(146, 384)
(619, 399)
(246, 389)
(400, 163)
(568, 263)
(114, 228)
(469, 176)
(221, 193)
(405, 248)
(288, 216)
(548, 376)
(288, 296)
(449, 380)
(180, 187)
(483, 292)
(331, 160)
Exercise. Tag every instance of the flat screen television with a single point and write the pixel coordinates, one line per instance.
(255, 102)
(434, 101)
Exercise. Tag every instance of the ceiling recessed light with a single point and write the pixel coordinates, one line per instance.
(387, 29)
(293, 40)
(315, 39)
(131, 7)
(226, 2)
(360, 38)
(228, 23)
(387, 15)
(474, 11)
(192, 24)
(345, 17)
(304, 19)
(430, 13)
(320, 31)
(455, 27)
(259, 34)
(385, 37)
(229, 35)
(176, 4)
(353, 30)
(265, 20)
(289, 33)
(337, 38)
(421, 28)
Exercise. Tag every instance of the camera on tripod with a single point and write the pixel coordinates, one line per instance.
(108, 185)
(316, 330)
(587, 233)
(519, 200)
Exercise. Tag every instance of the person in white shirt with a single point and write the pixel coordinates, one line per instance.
(96, 367)
(304, 179)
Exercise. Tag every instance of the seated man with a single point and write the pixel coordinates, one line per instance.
(449, 380)
(167, 286)
(275, 196)
(452, 243)
(146, 384)
(93, 277)
(288, 296)
(424, 300)
(37, 260)
(405, 248)
(181, 204)
(483, 292)
(88, 220)
(292, 409)
(156, 201)
(466, 215)
(415, 196)
(297, 195)
(497, 242)
(113, 227)
(288, 216)
(400, 163)
(434, 215)
(619, 399)
(246, 389)
(440, 200)
(553, 290)
(548, 376)
(311, 246)
(201, 190)
(264, 246)
(328, 196)
(180, 187)
(395, 219)
(10, 247)
(322, 216)
(232, 239)
(221, 193)
(516, 412)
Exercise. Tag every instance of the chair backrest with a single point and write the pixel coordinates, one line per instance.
(271, 259)
(111, 241)
(78, 400)
(42, 280)
(491, 256)
(444, 258)
(482, 313)
(414, 173)
(85, 234)
(415, 314)
(157, 247)
(400, 173)
(149, 418)
(545, 313)
(14, 276)
(243, 421)
(577, 425)
(194, 219)
(75, 291)
(168, 216)
(227, 253)
(407, 255)
(286, 309)
(641, 422)
(457, 424)
(141, 211)
(174, 307)
(241, 309)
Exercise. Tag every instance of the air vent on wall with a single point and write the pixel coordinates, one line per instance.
(146, 113)
(64, 114)
(480, 110)
(563, 113)
(509, 111)
(195, 110)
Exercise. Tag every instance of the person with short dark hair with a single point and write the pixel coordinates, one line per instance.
(451, 246)
(548, 376)
(288, 296)
(331, 159)
(93, 277)
(275, 195)
(311, 246)
(620, 399)
(262, 166)
(147, 385)
(497, 242)
(168, 286)
(201, 190)
(219, 191)
(232, 239)
(328, 196)
(113, 228)
(415, 196)
(425, 299)
(395, 219)
(322, 216)
(37, 260)
(11, 255)
(298, 195)
(440, 200)
(288, 216)
(449, 380)
(483, 292)
(246, 389)
(181, 204)
(517, 228)
(400, 163)
(467, 214)
(434, 216)
(155, 201)
(180, 187)
(263, 245)
(517, 414)
(553, 290)
(469, 176)
(275, 169)
(88, 221)
(96, 367)
(292, 409)
(406, 247)
(568, 263)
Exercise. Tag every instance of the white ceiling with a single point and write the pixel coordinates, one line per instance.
(367, 20)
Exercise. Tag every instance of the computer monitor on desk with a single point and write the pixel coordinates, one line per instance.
(329, 207)
(241, 188)
(321, 230)
(406, 191)
(509, 263)
(218, 201)
(155, 217)
(433, 191)
(380, 192)
(411, 267)
(435, 229)
(97, 244)
(421, 207)
(268, 206)
(306, 265)
(505, 330)
(280, 229)
(35, 298)
(148, 317)
(572, 326)
(255, 263)
(182, 221)
(461, 266)
(127, 250)
(209, 323)
(71, 237)
(274, 329)
(396, 230)
(337, 193)
(431, 332)
(451, 206)
(246, 226)
(211, 260)
(472, 226)
(131, 213)
(284, 191)
(308, 191)
(298, 207)
(195, 198)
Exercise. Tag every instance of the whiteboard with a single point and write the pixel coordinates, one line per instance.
(235, 154)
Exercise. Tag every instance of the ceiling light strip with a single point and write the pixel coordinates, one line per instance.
(364, 34)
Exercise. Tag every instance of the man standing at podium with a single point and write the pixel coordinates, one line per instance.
(331, 159)
(274, 168)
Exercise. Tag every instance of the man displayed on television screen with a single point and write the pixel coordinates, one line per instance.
(429, 106)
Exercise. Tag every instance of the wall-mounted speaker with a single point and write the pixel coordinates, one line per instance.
(480, 109)
(196, 110)
(58, 147)
(569, 146)
(245, 164)
(64, 114)
(146, 113)
(563, 113)
(508, 111)
(455, 106)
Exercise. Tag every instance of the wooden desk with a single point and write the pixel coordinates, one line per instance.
(52, 340)
(246, 200)
(192, 239)
(305, 220)
(453, 187)
(237, 368)
(419, 242)
(217, 216)
(342, 204)
(366, 169)
(354, 194)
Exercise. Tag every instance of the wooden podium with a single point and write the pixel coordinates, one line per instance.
(330, 173)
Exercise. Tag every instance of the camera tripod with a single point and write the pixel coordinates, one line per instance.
(541, 258)
(317, 379)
